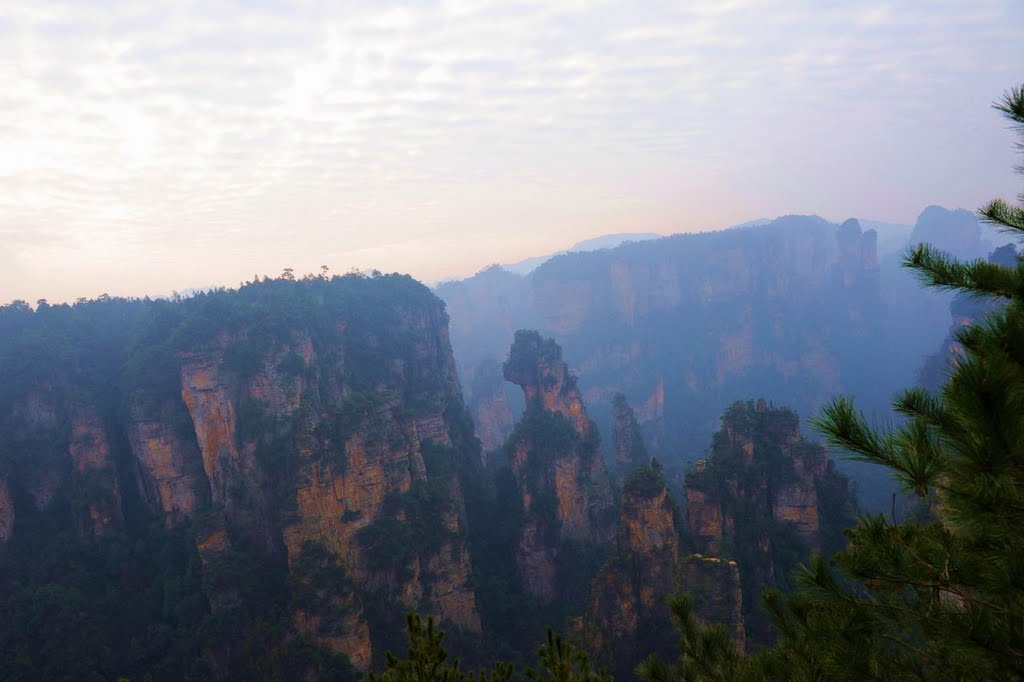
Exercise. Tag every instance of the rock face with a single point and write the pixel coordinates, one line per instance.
(310, 433)
(58, 455)
(170, 468)
(627, 439)
(535, 364)
(627, 616)
(555, 459)
(94, 470)
(715, 587)
(764, 497)
(489, 404)
(955, 232)
(684, 324)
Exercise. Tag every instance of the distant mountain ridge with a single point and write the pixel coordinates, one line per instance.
(797, 309)
(607, 241)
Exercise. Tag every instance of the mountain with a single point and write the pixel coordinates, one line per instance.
(893, 238)
(607, 241)
(798, 309)
(685, 324)
(234, 484)
(261, 483)
(767, 498)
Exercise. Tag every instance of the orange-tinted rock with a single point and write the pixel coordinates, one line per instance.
(170, 466)
(627, 617)
(94, 467)
(563, 486)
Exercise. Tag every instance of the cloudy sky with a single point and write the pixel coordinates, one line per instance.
(147, 147)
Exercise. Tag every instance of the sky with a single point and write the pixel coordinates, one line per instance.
(150, 147)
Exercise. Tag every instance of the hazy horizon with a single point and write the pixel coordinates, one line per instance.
(152, 148)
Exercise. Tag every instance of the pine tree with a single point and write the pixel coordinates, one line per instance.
(942, 600)
(939, 600)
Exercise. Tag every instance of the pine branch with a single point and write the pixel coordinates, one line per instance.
(977, 278)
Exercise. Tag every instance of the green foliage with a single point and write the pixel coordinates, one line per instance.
(413, 524)
(645, 482)
(532, 359)
(941, 598)
(427, 660)
(706, 653)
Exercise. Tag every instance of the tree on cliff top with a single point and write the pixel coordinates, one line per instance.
(937, 600)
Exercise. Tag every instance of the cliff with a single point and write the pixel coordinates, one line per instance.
(627, 616)
(554, 457)
(683, 324)
(766, 498)
(627, 440)
(490, 405)
(309, 436)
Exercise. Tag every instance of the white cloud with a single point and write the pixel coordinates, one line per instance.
(202, 131)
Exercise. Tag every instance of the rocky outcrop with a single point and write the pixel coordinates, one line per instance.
(627, 439)
(957, 232)
(715, 587)
(163, 445)
(535, 364)
(309, 433)
(684, 324)
(759, 499)
(627, 616)
(555, 460)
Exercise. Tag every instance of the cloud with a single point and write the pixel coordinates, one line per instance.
(192, 131)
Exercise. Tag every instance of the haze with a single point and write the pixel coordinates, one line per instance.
(150, 147)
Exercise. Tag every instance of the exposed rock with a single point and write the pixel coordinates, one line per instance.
(95, 473)
(627, 617)
(714, 585)
(536, 365)
(630, 451)
(170, 467)
(492, 413)
(762, 486)
(684, 324)
(554, 457)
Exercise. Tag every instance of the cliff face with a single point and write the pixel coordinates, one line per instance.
(58, 455)
(627, 617)
(627, 439)
(766, 498)
(555, 459)
(490, 406)
(684, 324)
(311, 433)
(715, 587)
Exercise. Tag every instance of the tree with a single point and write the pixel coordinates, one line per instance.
(707, 653)
(562, 662)
(427, 660)
(941, 599)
